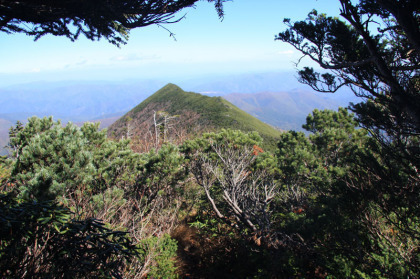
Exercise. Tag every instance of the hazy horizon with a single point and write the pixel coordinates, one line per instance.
(205, 46)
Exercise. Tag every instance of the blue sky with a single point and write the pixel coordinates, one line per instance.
(242, 43)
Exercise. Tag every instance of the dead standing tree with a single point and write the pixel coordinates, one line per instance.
(162, 122)
(238, 187)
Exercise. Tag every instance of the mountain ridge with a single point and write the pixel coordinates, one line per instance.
(194, 113)
(104, 101)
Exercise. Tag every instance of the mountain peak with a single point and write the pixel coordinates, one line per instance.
(192, 113)
(170, 87)
(168, 90)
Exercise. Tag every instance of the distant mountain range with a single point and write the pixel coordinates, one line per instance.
(286, 110)
(244, 83)
(77, 101)
(275, 98)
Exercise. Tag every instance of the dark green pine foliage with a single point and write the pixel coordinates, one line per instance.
(160, 173)
(330, 201)
(114, 162)
(50, 160)
(94, 176)
(319, 201)
(374, 50)
(111, 21)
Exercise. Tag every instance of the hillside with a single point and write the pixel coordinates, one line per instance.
(194, 113)
(275, 98)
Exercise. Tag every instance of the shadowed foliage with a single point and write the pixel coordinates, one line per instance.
(40, 240)
(95, 19)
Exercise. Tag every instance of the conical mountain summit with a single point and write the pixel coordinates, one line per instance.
(172, 112)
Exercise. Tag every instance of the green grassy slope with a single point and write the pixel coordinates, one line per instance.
(215, 112)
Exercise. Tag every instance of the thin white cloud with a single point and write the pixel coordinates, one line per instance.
(134, 57)
(287, 52)
(82, 62)
(79, 63)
